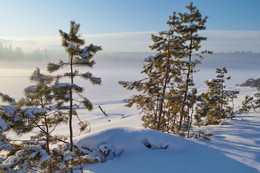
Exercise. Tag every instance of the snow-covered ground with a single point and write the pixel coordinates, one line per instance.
(238, 139)
(235, 146)
(139, 151)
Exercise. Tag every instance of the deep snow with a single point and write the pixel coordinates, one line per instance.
(144, 151)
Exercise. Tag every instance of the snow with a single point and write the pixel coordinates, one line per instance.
(238, 138)
(231, 92)
(11, 112)
(73, 47)
(152, 58)
(61, 85)
(96, 79)
(85, 54)
(85, 49)
(143, 150)
(31, 112)
(87, 74)
(121, 138)
(44, 156)
(3, 125)
(66, 85)
(7, 98)
(11, 161)
(6, 147)
(30, 89)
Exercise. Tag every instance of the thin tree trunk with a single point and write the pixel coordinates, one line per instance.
(47, 137)
(221, 97)
(71, 105)
(190, 121)
(164, 89)
(162, 102)
(186, 85)
(71, 108)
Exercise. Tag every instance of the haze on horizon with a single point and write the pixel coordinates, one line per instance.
(126, 25)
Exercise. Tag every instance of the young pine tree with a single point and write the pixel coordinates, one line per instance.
(27, 155)
(213, 103)
(247, 104)
(192, 23)
(36, 111)
(161, 71)
(79, 56)
(232, 95)
(40, 96)
(165, 99)
(251, 102)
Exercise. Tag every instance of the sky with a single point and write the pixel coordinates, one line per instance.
(126, 25)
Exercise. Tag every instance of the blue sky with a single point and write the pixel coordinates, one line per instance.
(31, 19)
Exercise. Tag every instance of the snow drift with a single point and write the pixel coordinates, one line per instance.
(132, 151)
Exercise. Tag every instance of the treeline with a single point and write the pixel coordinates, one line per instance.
(220, 59)
(8, 53)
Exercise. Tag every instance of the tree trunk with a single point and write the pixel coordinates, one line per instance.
(164, 90)
(71, 105)
(186, 84)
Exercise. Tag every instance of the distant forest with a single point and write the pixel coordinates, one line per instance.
(220, 59)
(8, 53)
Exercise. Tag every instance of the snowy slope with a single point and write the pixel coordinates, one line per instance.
(148, 151)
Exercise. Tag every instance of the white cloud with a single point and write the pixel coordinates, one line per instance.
(230, 41)
(218, 41)
(131, 41)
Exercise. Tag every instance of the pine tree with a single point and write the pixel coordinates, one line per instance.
(167, 97)
(34, 111)
(37, 110)
(247, 104)
(161, 70)
(41, 108)
(78, 57)
(192, 23)
(40, 96)
(232, 95)
(251, 102)
(29, 154)
(214, 102)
